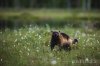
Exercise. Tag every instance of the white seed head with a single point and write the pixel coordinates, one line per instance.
(53, 62)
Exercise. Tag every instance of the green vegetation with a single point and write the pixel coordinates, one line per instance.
(22, 45)
(30, 47)
(25, 32)
(49, 14)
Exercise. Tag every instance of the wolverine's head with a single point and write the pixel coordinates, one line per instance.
(55, 34)
(75, 41)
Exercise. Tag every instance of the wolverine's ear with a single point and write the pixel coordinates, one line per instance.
(59, 31)
(75, 40)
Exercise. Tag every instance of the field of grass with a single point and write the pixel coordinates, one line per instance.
(22, 45)
(30, 46)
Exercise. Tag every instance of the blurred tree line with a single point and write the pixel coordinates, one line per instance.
(84, 4)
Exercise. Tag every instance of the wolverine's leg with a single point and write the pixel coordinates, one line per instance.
(52, 46)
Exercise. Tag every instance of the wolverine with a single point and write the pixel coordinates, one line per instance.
(62, 40)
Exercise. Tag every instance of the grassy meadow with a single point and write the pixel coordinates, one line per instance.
(58, 14)
(30, 45)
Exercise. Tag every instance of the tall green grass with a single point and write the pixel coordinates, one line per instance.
(31, 47)
(58, 14)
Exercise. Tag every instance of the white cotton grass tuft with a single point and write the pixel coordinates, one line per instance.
(14, 45)
(28, 49)
(37, 50)
(86, 59)
(15, 40)
(83, 35)
(73, 62)
(53, 62)
(97, 41)
(39, 36)
(1, 59)
(28, 54)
